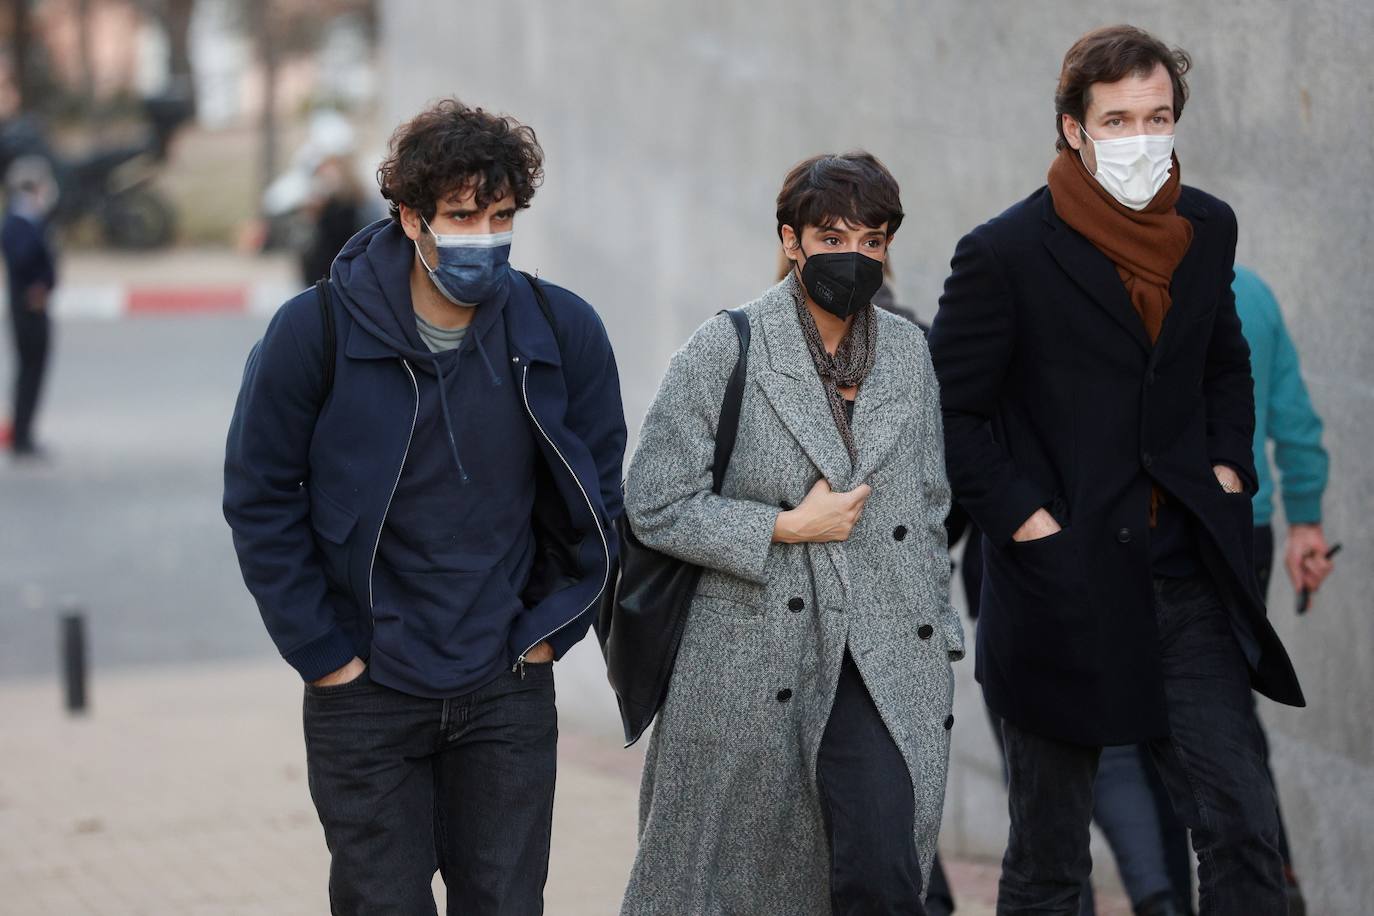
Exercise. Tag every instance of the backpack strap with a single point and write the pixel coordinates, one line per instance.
(543, 300)
(728, 427)
(330, 341)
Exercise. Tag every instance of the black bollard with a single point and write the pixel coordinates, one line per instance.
(74, 660)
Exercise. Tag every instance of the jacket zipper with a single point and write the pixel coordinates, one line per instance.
(404, 455)
(519, 666)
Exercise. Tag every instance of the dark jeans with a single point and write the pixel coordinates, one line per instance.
(1212, 764)
(32, 335)
(869, 809)
(405, 785)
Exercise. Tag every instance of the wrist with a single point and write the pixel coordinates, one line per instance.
(784, 527)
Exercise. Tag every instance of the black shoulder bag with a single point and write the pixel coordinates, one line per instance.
(644, 609)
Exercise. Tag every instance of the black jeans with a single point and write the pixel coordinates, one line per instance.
(32, 333)
(406, 785)
(869, 808)
(1212, 764)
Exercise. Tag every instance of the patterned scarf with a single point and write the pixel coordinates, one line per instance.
(848, 366)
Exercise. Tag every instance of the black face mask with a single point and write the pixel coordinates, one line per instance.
(842, 282)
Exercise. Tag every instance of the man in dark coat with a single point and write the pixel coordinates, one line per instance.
(31, 271)
(1098, 415)
(421, 503)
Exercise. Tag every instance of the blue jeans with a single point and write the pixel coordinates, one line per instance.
(405, 786)
(1212, 764)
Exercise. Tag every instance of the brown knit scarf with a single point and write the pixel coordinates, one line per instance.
(1146, 246)
(848, 366)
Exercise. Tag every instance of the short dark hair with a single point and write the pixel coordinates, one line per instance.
(854, 187)
(451, 147)
(1107, 55)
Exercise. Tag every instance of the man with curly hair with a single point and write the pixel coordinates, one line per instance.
(421, 474)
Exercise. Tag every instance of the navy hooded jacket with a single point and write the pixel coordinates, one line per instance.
(310, 473)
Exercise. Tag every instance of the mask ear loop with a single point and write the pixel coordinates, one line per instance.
(425, 223)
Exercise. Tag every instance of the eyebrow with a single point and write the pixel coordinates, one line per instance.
(1116, 113)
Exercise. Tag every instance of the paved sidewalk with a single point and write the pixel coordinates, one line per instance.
(183, 791)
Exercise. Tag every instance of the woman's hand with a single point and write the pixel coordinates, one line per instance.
(822, 517)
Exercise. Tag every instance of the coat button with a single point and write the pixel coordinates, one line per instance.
(1147, 460)
(925, 631)
(796, 604)
(786, 505)
(949, 721)
(899, 532)
(784, 695)
(1124, 535)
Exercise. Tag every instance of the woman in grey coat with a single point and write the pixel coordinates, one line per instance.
(798, 764)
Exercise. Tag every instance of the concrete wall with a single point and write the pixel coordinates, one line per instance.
(668, 129)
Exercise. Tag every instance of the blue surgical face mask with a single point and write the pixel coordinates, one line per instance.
(471, 268)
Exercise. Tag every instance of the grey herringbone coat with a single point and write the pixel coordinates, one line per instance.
(729, 816)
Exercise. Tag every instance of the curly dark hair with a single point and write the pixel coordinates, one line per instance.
(854, 187)
(450, 147)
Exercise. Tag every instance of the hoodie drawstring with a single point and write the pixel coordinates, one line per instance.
(443, 398)
(482, 351)
(448, 420)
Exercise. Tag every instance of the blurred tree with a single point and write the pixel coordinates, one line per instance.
(175, 18)
(265, 26)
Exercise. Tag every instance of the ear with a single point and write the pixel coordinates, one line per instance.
(791, 244)
(411, 223)
(1072, 132)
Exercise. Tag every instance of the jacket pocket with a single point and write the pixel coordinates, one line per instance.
(331, 519)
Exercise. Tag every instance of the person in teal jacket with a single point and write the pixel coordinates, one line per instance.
(1283, 414)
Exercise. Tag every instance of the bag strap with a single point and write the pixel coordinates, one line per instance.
(543, 300)
(330, 342)
(728, 427)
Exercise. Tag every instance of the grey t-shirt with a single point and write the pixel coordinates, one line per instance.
(440, 339)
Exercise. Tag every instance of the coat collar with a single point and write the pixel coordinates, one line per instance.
(794, 389)
(1095, 273)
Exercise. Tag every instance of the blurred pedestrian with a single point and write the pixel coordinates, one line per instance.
(799, 761)
(420, 476)
(31, 269)
(336, 210)
(1098, 418)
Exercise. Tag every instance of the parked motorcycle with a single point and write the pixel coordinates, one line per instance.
(112, 185)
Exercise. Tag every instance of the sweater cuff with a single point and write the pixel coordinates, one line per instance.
(322, 656)
(1302, 508)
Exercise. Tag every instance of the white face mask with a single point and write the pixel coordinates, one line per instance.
(1133, 169)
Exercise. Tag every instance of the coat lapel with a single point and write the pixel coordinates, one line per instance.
(1094, 272)
(884, 405)
(794, 388)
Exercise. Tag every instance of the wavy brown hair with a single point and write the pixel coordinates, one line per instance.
(1110, 54)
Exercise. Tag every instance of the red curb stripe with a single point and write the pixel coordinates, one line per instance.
(198, 300)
